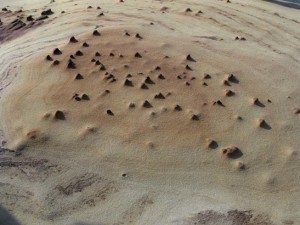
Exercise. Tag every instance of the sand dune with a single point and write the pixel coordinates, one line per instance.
(153, 112)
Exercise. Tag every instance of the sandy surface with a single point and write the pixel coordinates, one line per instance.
(156, 112)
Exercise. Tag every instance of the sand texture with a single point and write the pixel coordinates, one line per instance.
(149, 112)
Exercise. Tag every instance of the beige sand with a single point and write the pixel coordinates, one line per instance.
(160, 116)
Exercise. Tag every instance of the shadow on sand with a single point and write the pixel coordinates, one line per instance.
(6, 218)
(295, 4)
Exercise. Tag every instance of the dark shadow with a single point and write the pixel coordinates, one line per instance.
(266, 126)
(6, 218)
(259, 103)
(295, 4)
(213, 145)
(236, 154)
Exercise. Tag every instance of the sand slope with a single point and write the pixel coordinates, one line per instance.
(153, 113)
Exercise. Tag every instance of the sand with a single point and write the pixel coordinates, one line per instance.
(153, 112)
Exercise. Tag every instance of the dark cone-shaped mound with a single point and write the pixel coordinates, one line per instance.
(206, 76)
(159, 96)
(188, 10)
(102, 67)
(85, 97)
(144, 86)
(147, 104)
(96, 33)
(138, 55)
(190, 58)
(187, 67)
(109, 112)
(57, 52)
(79, 53)
(195, 117)
(56, 62)
(138, 36)
(73, 40)
(97, 54)
(71, 64)
(149, 81)
(178, 108)
(160, 76)
(29, 18)
(128, 83)
(49, 58)
(59, 115)
(85, 44)
(229, 93)
(72, 57)
(79, 77)
(98, 63)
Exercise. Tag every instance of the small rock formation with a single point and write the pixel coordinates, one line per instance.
(159, 96)
(229, 93)
(212, 144)
(149, 81)
(85, 44)
(128, 83)
(49, 58)
(188, 10)
(56, 62)
(160, 76)
(79, 77)
(79, 53)
(296, 110)
(73, 40)
(231, 152)
(85, 97)
(131, 105)
(187, 67)
(138, 36)
(137, 55)
(96, 33)
(195, 117)
(144, 86)
(206, 76)
(109, 112)
(59, 115)
(57, 52)
(71, 64)
(178, 108)
(47, 12)
(29, 18)
(190, 58)
(147, 104)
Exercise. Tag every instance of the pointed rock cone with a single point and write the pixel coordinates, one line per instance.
(97, 54)
(212, 144)
(109, 112)
(229, 93)
(79, 53)
(187, 67)
(206, 76)
(59, 115)
(73, 40)
(71, 64)
(149, 81)
(72, 57)
(56, 62)
(79, 77)
(144, 86)
(255, 101)
(98, 63)
(190, 58)
(128, 83)
(178, 108)
(195, 117)
(160, 76)
(57, 52)
(157, 68)
(96, 33)
(147, 104)
(93, 60)
(85, 97)
(138, 36)
(261, 123)
(49, 58)
(85, 44)
(159, 96)
(204, 84)
(231, 78)
(102, 68)
(220, 103)
(237, 38)
(230, 151)
(138, 55)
